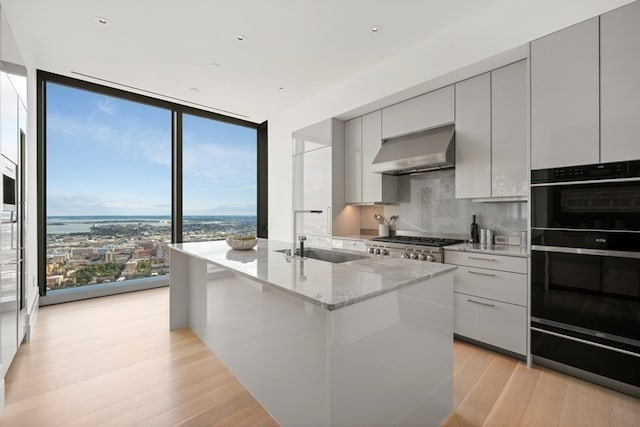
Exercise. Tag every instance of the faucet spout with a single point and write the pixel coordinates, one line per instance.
(295, 230)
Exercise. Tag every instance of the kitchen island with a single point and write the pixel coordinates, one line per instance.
(364, 342)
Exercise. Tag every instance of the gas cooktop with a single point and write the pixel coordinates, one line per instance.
(419, 241)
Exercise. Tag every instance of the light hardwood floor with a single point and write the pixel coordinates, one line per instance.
(113, 361)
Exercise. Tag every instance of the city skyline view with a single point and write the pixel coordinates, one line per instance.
(109, 184)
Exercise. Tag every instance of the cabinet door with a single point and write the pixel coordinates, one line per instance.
(473, 137)
(509, 130)
(8, 118)
(353, 161)
(312, 190)
(619, 84)
(312, 137)
(564, 97)
(419, 113)
(376, 187)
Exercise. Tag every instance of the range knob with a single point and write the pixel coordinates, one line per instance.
(431, 258)
(413, 255)
(377, 251)
(372, 251)
(421, 257)
(404, 255)
(385, 252)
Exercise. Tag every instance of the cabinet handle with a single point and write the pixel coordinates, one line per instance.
(481, 303)
(481, 274)
(482, 259)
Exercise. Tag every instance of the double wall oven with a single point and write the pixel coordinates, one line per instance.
(585, 271)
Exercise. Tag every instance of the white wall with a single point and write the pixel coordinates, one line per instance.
(417, 69)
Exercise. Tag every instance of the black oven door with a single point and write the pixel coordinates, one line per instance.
(604, 205)
(585, 310)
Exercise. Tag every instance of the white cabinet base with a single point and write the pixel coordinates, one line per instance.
(492, 322)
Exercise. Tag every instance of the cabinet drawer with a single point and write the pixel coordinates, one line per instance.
(493, 262)
(491, 322)
(499, 285)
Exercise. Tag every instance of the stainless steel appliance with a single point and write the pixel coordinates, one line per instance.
(9, 295)
(417, 248)
(585, 272)
(428, 150)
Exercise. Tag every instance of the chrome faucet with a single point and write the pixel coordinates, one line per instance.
(295, 231)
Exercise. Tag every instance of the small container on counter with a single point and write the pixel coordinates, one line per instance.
(383, 230)
(483, 237)
(489, 237)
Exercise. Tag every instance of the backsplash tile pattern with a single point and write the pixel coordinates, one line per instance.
(427, 203)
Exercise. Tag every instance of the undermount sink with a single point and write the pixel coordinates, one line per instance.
(327, 255)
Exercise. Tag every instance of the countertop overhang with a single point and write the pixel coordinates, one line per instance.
(327, 285)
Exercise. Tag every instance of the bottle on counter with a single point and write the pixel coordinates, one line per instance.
(474, 231)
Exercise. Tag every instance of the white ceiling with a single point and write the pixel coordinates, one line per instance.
(168, 47)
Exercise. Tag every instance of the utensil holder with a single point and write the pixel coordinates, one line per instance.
(383, 230)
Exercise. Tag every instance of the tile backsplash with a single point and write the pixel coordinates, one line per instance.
(427, 203)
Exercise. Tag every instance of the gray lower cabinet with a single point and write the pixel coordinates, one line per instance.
(620, 84)
(565, 97)
(490, 299)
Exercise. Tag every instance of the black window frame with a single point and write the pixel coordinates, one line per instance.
(177, 111)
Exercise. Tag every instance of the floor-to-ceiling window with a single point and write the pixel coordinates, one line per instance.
(219, 179)
(122, 175)
(108, 210)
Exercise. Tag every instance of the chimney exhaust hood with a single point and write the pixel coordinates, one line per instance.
(431, 149)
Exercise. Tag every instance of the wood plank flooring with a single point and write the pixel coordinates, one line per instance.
(100, 362)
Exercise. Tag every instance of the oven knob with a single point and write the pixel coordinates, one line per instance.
(372, 251)
(404, 255)
(378, 251)
(431, 258)
(421, 257)
(385, 252)
(413, 255)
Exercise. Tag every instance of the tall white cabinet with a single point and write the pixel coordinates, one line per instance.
(620, 84)
(491, 134)
(318, 181)
(565, 97)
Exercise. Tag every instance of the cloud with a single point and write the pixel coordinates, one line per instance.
(88, 204)
(106, 105)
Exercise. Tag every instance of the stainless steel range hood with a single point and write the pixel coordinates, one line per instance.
(431, 149)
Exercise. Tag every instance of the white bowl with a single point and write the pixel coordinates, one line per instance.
(241, 244)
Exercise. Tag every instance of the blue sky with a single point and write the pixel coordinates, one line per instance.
(107, 156)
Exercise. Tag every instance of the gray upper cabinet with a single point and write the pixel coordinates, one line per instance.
(353, 160)
(620, 84)
(363, 138)
(419, 113)
(565, 97)
(473, 137)
(509, 131)
(376, 187)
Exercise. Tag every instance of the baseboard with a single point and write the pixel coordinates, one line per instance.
(31, 318)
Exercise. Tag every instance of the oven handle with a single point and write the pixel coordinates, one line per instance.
(585, 251)
(586, 182)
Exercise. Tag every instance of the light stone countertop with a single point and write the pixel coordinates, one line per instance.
(508, 250)
(327, 285)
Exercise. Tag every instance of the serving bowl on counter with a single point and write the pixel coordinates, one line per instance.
(242, 243)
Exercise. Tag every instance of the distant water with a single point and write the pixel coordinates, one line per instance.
(83, 224)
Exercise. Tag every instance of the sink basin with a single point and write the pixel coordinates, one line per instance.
(327, 255)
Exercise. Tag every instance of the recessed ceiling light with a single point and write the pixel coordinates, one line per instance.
(101, 20)
(215, 65)
(280, 87)
(239, 37)
(194, 89)
(375, 29)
